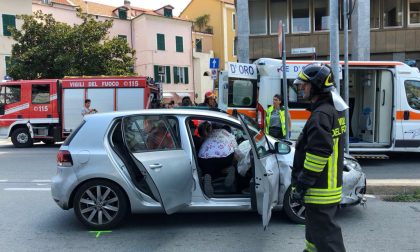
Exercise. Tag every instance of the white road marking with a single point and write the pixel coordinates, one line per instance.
(41, 180)
(3, 180)
(38, 184)
(370, 196)
(26, 189)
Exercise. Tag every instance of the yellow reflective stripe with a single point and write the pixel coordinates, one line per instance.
(283, 122)
(315, 160)
(303, 76)
(318, 159)
(322, 199)
(335, 173)
(314, 164)
(310, 247)
(312, 167)
(324, 192)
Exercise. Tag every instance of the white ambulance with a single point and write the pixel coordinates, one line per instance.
(384, 101)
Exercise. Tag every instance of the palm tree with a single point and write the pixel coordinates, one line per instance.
(202, 21)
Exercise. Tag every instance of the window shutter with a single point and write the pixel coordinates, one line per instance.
(168, 74)
(156, 68)
(161, 42)
(186, 75)
(179, 44)
(176, 76)
(8, 21)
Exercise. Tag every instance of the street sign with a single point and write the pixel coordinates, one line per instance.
(213, 74)
(214, 63)
(303, 50)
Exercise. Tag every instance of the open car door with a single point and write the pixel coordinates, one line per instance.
(154, 145)
(266, 170)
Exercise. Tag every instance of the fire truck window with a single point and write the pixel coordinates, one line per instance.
(412, 90)
(12, 94)
(41, 94)
(242, 93)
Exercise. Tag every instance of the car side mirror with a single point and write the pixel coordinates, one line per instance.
(282, 148)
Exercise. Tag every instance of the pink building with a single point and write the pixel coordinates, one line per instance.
(163, 43)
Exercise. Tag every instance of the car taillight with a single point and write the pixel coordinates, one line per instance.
(64, 158)
(260, 116)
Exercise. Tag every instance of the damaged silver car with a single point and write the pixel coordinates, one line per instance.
(149, 161)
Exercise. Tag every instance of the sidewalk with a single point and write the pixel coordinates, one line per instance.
(392, 186)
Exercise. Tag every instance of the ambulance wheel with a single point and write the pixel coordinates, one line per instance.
(21, 138)
(295, 211)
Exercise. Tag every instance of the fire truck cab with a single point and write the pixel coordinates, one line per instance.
(49, 110)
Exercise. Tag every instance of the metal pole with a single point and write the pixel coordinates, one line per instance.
(243, 31)
(334, 42)
(346, 71)
(285, 97)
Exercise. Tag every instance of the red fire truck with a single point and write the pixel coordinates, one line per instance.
(49, 110)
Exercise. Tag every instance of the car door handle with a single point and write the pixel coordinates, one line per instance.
(155, 166)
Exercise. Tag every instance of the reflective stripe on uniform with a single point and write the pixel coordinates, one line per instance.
(332, 166)
(310, 247)
(316, 158)
(312, 166)
(324, 191)
(322, 200)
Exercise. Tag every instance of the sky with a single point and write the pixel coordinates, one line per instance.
(179, 5)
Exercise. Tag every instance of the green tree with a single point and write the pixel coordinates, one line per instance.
(201, 22)
(46, 48)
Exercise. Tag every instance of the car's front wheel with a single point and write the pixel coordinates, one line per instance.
(295, 211)
(100, 204)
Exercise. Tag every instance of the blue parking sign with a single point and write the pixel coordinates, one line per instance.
(214, 63)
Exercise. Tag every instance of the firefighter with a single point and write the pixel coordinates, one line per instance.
(318, 162)
(275, 119)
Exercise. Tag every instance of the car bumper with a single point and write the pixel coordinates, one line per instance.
(62, 184)
(354, 187)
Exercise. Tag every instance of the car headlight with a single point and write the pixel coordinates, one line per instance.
(352, 164)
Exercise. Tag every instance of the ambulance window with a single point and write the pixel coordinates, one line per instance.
(41, 94)
(12, 94)
(412, 90)
(242, 93)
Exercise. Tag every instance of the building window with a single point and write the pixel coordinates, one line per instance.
(7, 60)
(374, 14)
(234, 48)
(122, 13)
(167, 12)
(181, 75)
(198, 45)
(162, 74)
(160, 42)
(321, 12)
(123, 37)
(414, 12)
(278, 11)
(233, 21)
(179, 44)
(8, 21)
(41, 94)
(257, 17)
(392, 14)
(301, 21)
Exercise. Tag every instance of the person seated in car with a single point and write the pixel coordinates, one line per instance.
(217, 150)
(159, 138)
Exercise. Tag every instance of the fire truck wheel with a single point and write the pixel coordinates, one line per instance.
(21, 138)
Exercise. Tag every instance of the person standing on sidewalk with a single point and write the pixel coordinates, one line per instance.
(275, 119)
(317, 175)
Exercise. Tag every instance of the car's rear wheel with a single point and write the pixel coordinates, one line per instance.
(21, 138)
(100, 204)
(295, 211)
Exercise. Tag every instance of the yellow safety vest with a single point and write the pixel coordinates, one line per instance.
(268, 118)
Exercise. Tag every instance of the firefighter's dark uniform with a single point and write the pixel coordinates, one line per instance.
(318, 170)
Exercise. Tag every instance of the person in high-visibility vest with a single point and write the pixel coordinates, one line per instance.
(317, 173)
(275, 119)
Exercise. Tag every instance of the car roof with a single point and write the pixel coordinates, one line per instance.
(186, 112)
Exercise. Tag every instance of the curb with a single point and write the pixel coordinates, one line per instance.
(392, 186)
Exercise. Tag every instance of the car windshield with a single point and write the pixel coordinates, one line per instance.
(257, 135)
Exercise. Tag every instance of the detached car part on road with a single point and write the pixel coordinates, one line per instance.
(146, 161)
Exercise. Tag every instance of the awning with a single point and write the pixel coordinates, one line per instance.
(168, 95)
(182, 94)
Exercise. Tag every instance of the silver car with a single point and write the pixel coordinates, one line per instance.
(149, 161)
